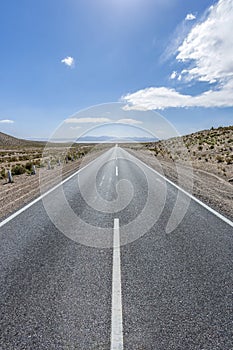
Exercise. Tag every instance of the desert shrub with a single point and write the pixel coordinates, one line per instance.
(212, 147)
(23, 158)
(28, 166)
(2, 173)
(53, 162)
(228, 160)
(200, 148)
(18, 169)
(219, 159)
(38, 155)
(37, 163)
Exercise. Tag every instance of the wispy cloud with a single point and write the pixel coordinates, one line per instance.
(190, 17)
(129, 121)
(99, 120)
(87, 120)
(177, 37)
(68, 61)
(207, 53)
(75, 127)
(6, 121)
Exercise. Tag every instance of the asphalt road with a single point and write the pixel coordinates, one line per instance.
(116, 258)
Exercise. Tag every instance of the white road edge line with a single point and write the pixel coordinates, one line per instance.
(220, 216)
(116, 170)
(4, 222)
(117, 323)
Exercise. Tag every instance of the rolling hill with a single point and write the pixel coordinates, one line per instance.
(11, 141)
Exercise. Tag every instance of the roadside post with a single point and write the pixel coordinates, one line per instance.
(10, 177)
(33, 170)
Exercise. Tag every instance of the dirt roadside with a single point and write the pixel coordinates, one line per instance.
(25, 188)
(213, 190)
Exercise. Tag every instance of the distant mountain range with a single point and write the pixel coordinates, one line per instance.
(110, 139)
(8, 140)
(11, 141)
(100, 139)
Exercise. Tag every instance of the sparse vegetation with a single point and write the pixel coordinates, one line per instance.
(2, 173)
(214, 146)
(20, 156)
(18, 169)
(208, 152)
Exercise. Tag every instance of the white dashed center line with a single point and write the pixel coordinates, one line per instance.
(117, 324)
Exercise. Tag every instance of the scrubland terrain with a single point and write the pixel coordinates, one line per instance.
(210, 150)
(201, 163)
(51, 162)
(205, 160)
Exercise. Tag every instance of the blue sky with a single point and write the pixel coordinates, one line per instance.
(62, 56)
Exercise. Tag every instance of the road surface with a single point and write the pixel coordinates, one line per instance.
(95, 265)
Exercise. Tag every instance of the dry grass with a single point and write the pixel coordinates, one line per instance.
(208, 150)
(207, 154)
(20, 158)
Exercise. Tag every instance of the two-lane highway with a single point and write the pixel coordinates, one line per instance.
(93, 265)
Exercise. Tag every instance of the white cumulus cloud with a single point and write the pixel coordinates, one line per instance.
(155, 98)
(209, 45)
(7, 121)
(173, 75)
(190, 17)
(207, 52)
(161, 98)
(68, 61)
